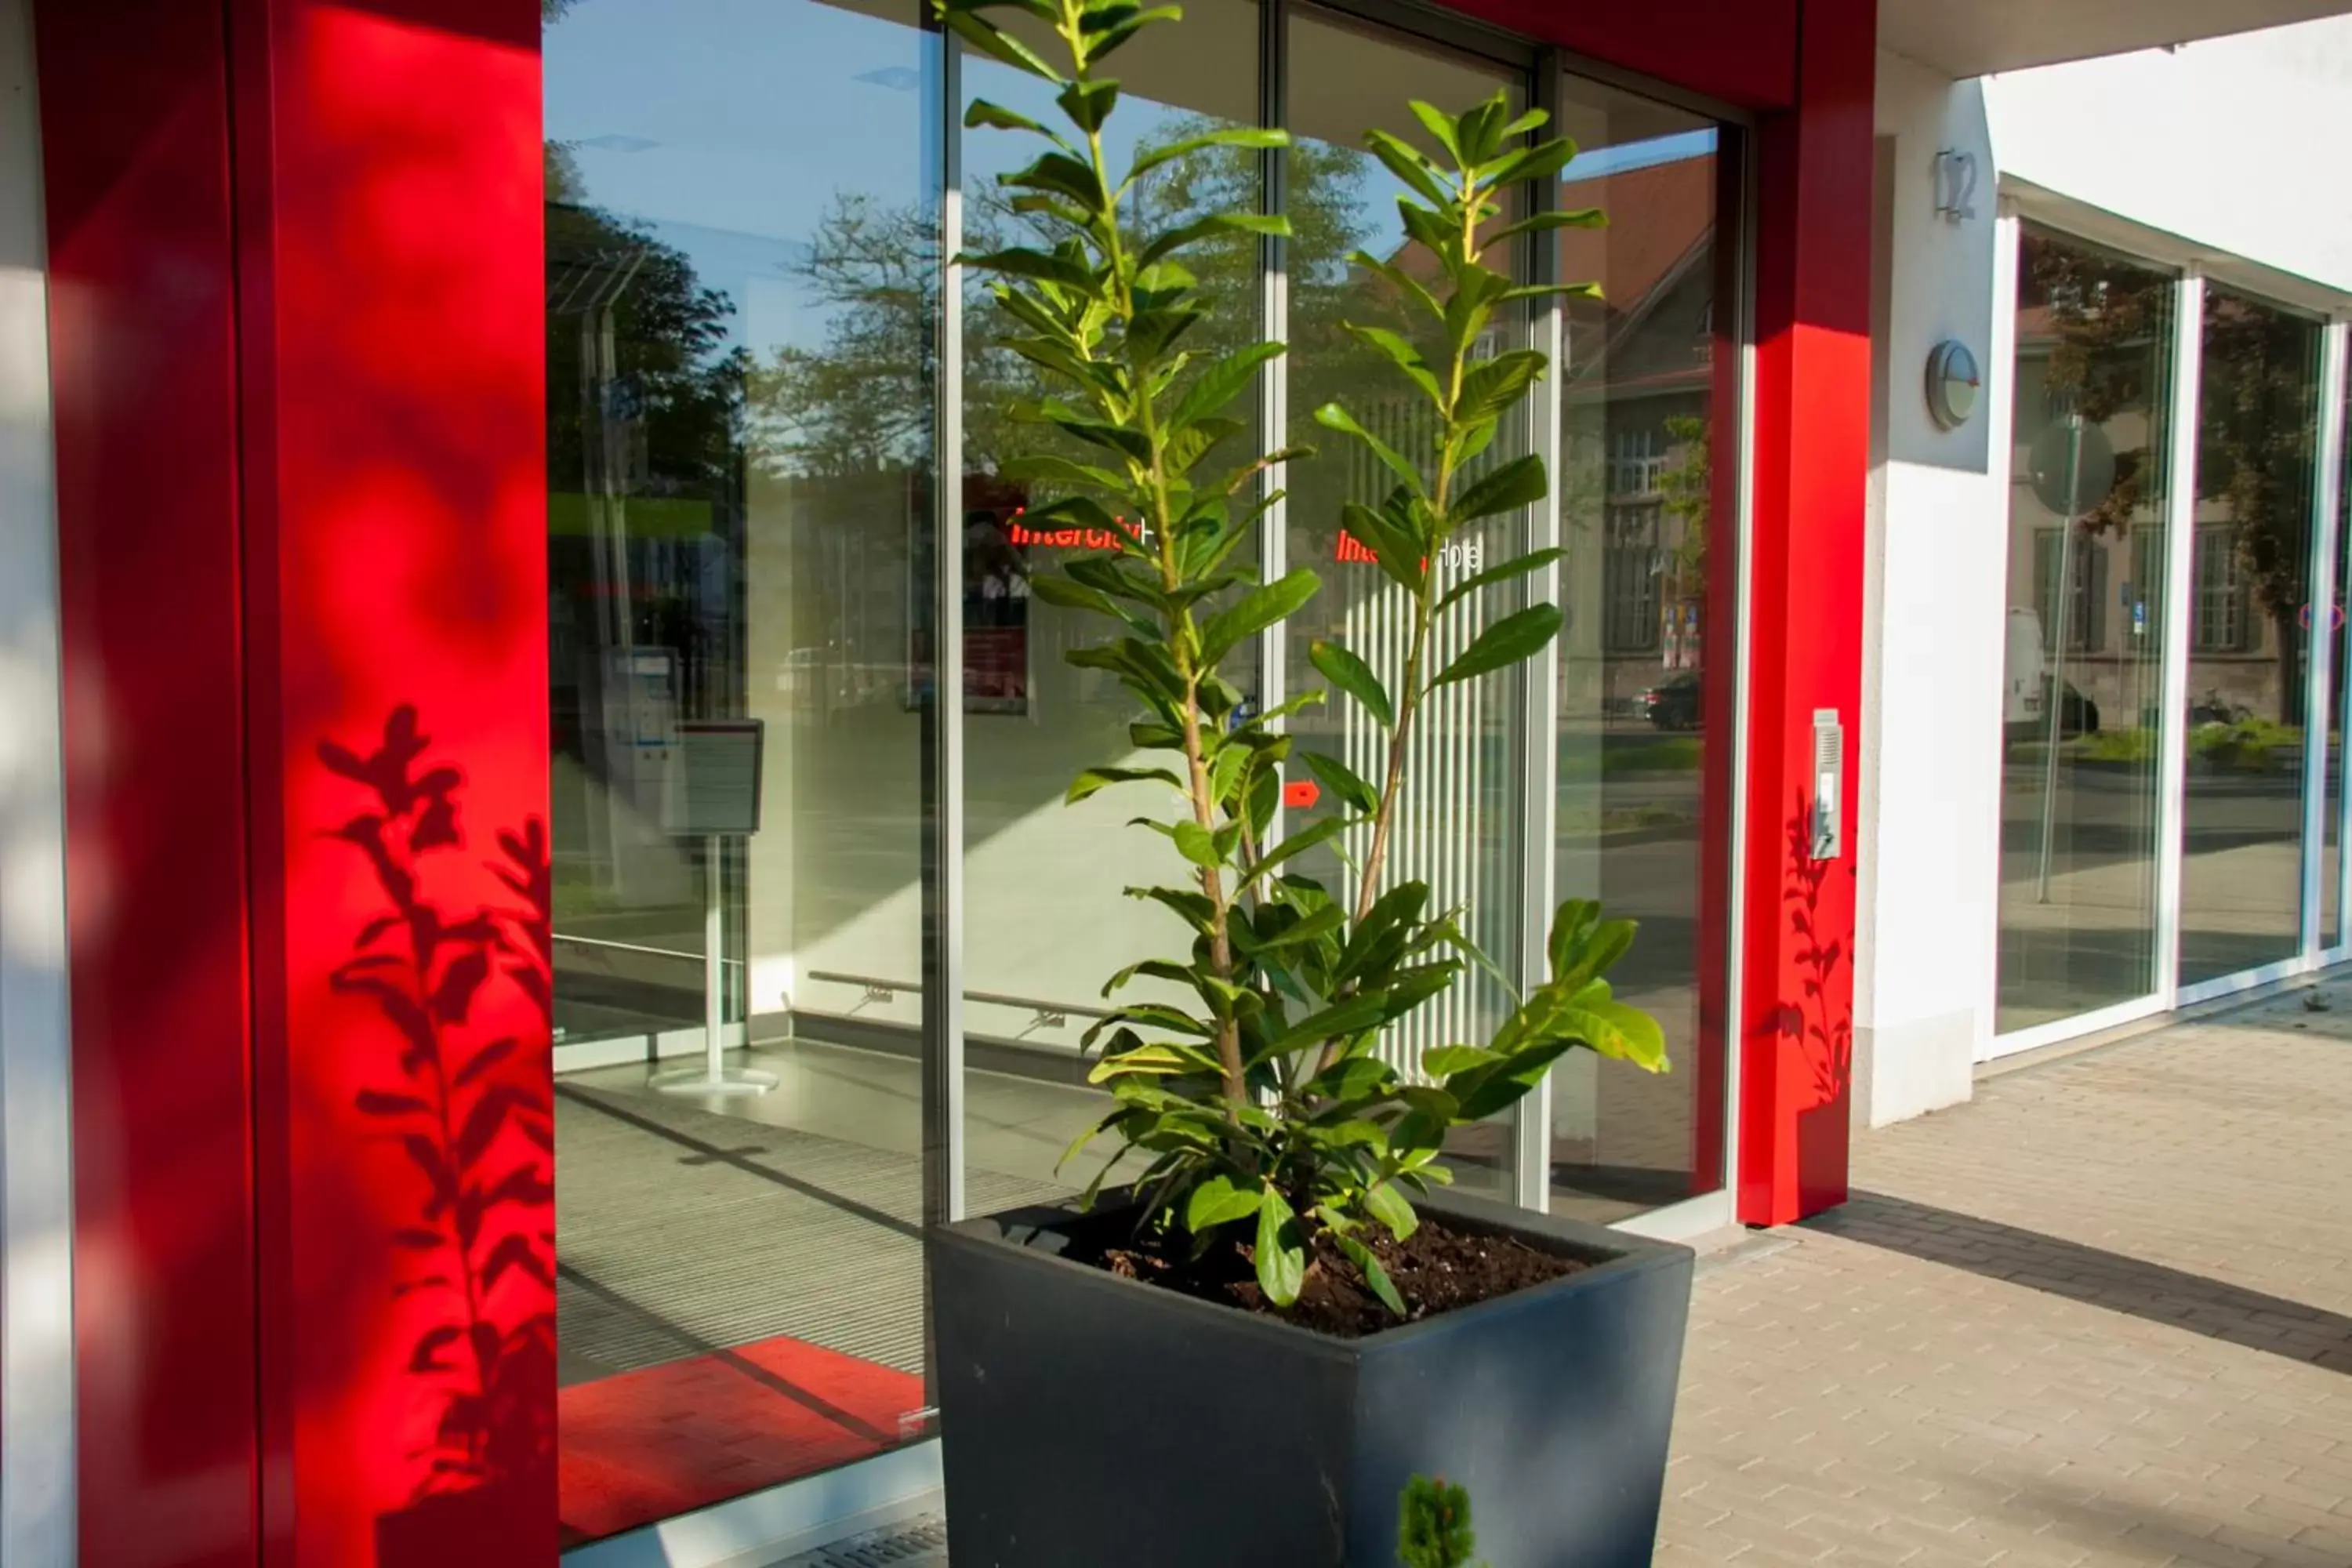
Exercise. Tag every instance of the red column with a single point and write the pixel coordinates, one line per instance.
(388, 180)
(1811, 458)
(134, 100)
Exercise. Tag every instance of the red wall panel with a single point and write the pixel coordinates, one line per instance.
(135, 136)
(389, 191)
(1811, 460)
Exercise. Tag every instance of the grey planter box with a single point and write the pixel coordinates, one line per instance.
(1091, 1421)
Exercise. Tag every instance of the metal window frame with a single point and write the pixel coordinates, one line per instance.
(942, 955)
(2319, 645)
(39, 1487)
(2179, 563)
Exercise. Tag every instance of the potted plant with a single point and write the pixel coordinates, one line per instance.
(1244, 1357)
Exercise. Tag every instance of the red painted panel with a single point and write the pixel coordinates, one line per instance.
(134, 103)
(389, 183)
(1741, 51)
(1812, 438)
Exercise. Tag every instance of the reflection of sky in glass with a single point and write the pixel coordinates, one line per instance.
(725, 127)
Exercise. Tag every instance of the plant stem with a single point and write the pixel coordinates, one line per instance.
(1183, 635)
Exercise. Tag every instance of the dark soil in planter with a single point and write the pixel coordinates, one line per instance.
(1436, 1270)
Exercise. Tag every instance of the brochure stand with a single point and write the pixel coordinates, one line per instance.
(716, 797)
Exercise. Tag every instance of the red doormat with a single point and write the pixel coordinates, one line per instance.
(648, 1444)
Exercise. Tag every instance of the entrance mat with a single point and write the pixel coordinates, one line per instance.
(647, 1445)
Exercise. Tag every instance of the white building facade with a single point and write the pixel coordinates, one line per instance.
(2105, 582)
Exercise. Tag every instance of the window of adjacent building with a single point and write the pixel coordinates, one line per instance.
(2083, 676)
(2242, 815)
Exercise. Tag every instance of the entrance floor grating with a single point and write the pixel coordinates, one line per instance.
(919, 1542)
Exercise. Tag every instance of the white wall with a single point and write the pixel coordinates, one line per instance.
(2232, 144)
(1932, 634)
(37, 1498)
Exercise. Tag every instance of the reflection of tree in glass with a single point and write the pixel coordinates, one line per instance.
(2108, 326)
(677, 386)
(2257, 411)
(862, 398)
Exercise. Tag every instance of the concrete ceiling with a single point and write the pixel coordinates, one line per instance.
(1970, 38)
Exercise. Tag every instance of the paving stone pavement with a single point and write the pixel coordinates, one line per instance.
(2101, 1315)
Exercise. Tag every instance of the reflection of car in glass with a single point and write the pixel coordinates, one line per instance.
(1674, 704)
(2077, 715)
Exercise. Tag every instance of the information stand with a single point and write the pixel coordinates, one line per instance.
(714, 796)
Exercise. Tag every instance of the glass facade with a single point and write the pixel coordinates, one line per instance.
(2122, 881)
(2248, 636)
(1650, 543)
(779, 485)
(2084, 661)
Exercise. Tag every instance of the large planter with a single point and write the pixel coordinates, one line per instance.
(1089, 1420)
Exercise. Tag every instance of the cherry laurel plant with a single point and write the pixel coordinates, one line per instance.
(1262, 1104)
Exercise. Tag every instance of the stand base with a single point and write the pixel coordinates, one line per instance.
(702, 1081)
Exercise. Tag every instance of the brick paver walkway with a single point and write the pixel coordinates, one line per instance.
(2101, 1315)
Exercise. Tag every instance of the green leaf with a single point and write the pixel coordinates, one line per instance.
(1195, 844)
(1044, 266)
(1281, 1250)
(1498, 1088)
(1541, 162)
(1356, 1079)
(1087, 103)
(1342, 668)
(996, 117)
(1409, 163)
(1256, 611)
(1441, 127)
(1504, 644)
(1331, 417)
(1341, 1021)
(1444, 1061)
(1247, 136)
(1217, 1202)
(1385, 1204)
(1095, 780)
(1297, 843)
(1225, 379)
(1406, 357)
(1400, 555)
(1519, 566)
(1374, 1275)
(1513, 485)
(1406, 285)
(1582, 218)
(1493, 387)
(990, 40)
(1617, 1029)
(1343, 781)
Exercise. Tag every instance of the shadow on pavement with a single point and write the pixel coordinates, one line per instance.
(2150, 1291)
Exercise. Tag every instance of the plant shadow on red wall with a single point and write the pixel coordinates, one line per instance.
(1818, 1024)
(478, 1252)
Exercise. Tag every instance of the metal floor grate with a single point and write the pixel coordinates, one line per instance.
(917, 1542)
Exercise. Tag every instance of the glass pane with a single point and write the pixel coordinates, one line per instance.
(2331, 819)
(1047, 917)
(1647, 531)
(739, 448)
(2084, 657)
(2240, 875)
(1458, 826)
